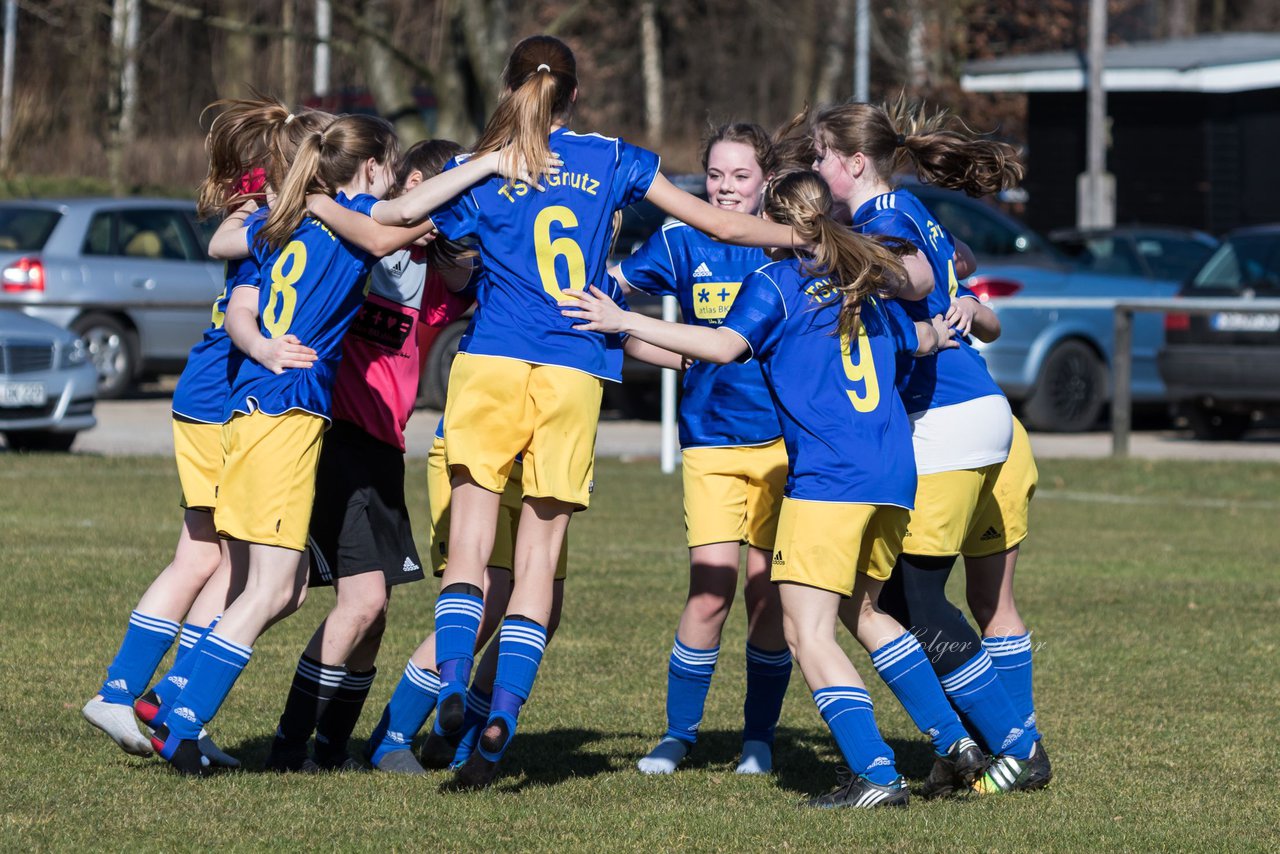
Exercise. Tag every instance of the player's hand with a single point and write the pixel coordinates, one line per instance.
(946, 335)
(960, 314)
(514, 168)
(595, 309)
(284, 353)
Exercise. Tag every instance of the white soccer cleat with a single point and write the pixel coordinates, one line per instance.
(664, 758)
(118, 722)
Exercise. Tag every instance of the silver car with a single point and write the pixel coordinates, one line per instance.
(130, 276)
(47, 384)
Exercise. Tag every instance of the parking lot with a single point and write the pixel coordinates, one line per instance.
(142, 426)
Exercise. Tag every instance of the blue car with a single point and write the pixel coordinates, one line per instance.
(1055, 360)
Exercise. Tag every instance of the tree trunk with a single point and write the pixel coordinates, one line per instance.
(388, 81)
(453, 115)
(289, 53)
(122, 105)
(651, 70)
(806, 54)
(835, 53)
(917, 69)
(233, 64)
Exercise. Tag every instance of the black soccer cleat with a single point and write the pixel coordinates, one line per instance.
(286, 761)
(1007, 774)
(956, 772)
(476, 773)
(451, 713)
(854, 790)
(437, 750)
(183, 755)
(339, 762)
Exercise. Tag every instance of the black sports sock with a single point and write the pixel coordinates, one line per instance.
(339, 718)
(916, 596)
(314, 685)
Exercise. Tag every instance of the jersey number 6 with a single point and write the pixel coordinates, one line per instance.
(283, 298)
(548, 250)
(864, 371)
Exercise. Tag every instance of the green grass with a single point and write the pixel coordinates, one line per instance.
(1152, 589)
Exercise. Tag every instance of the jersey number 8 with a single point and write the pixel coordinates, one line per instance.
(864, 371)
(548, 250)
(283, 298)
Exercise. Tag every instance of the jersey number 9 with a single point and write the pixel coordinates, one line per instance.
(283, 298)
(548, 250)
(864, 371)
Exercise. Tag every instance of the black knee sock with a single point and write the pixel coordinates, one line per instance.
(314, 685)
(919, 590)
(338, 720)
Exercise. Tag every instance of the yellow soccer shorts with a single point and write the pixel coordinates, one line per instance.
(268, 481)
(1002, 523)
(498, 408)
(197, 449)
(733, 494)
(825, 545)
(504, 541)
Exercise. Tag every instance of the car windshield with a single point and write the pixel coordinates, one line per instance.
(26, 229)
(1246, 261)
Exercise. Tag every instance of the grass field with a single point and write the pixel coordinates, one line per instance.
(1153, 591)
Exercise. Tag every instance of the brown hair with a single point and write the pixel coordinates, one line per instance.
(247, 134)
(792, 143)
(429, 157)
(856, 264)
(326, 160)
(746, 133)
(541, 77)
(901, 135)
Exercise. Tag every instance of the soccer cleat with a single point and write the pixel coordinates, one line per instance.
(215, 754)
(854, 790)
(1007, 774)
(476, 773)
(955, 772)
(117, 721)
(437, 750)
(400, 762)
(147, 707)
(664, 757)
(340, 763)
(452, 712)
(290, 762)
(182, 754)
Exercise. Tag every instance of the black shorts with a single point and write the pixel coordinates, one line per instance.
(359, 522)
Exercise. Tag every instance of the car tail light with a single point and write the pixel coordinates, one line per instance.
(989, 287)
(25, 274)
(1176, 321)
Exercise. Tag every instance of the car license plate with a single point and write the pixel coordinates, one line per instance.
(23, 394)
(1234, 321)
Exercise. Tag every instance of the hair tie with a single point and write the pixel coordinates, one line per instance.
(901, 141)
(289, 118)
(544, 67)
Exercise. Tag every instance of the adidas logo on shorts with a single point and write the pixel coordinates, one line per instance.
(703, 271)
(990, 534)
(409, 566)
(777, 558)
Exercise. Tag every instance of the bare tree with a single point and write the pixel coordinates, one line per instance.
(388, 80)
(651, 69)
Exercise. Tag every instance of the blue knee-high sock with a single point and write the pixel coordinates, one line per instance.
(478, 705)
(146, 640)
(768, 674)
(905, 668)
(219, 664)
(848, 713)
(974, 688)
(688, 680)
(410, 704)
(170, 685)
(457, 623)
(521, 643)
(1011, 656)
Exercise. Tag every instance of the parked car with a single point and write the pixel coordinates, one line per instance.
(1223, 369)
(1152, 252)
(1054, 362)
(114, 259)
(47, 384)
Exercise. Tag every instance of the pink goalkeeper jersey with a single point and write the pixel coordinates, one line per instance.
(378, 377)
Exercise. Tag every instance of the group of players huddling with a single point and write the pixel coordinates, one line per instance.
(835, 419)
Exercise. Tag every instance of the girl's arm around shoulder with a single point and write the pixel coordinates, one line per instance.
(933, 335)
(364, 231)
(726, 226)
(231, 240)
(275, 354)
(599, 313)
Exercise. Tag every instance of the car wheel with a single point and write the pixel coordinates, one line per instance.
(1216, 425)
(39, 440)
(1070, 391)
(113, 351)
(435, 373)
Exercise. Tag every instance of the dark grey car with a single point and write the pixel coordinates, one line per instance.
(125, 266)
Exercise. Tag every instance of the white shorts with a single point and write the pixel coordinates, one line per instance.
(966, 435)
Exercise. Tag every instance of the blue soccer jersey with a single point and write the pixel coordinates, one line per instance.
(201, 393)
(847, 435)
(954, 375)
(534, 245)
(721, 405)
(312, 287)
